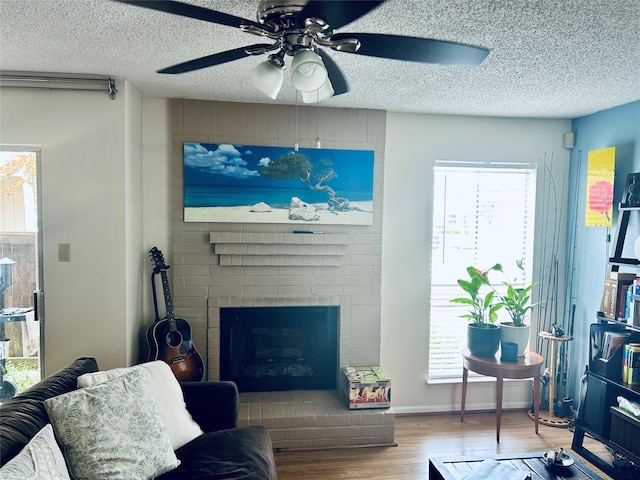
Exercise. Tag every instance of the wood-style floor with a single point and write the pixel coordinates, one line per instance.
(420, 437)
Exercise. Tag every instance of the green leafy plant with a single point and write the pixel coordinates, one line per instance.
(484, 307)
(22, 374)
(516, 301)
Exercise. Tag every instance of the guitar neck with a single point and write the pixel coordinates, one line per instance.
(168, 302)
(155, 297)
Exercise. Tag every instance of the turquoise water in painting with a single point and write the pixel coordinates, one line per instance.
(224, 175)
(234, 196)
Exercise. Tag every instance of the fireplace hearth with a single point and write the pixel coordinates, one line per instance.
(279, 348)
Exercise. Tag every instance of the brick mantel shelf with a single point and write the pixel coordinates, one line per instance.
(279, 249)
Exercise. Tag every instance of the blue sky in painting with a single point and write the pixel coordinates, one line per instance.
(239, 165)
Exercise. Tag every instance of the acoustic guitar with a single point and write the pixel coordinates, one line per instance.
(170, 339)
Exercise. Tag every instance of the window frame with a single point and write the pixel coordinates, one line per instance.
(529, 172)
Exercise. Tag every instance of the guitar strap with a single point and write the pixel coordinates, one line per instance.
(155, 296)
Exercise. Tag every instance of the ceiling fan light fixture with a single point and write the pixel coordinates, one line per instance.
(300, 28)
(324, 92)
(268, 77)
(308, 72)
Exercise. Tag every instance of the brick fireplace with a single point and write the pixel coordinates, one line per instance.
(235, 265)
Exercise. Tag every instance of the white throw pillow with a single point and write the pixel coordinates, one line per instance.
(167, 394)
(40, 459)
(112, 431)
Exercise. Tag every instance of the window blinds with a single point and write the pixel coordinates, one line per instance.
(483, 214)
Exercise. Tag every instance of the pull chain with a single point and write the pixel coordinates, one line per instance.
(296, 146)
(318, 145)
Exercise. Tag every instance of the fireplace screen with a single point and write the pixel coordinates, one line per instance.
(279, 348)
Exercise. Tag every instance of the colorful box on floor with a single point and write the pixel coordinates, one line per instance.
(366, 387)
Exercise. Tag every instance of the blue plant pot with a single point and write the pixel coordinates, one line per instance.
(483, 341)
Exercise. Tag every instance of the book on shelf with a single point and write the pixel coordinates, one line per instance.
(608, 306)
(632, 309)
(623, 298)
(597, 333)
(634, 312)
(631, 364)
(611, 341)
(614, 296)
(628, 304)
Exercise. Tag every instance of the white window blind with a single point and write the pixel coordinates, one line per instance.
(483, 214)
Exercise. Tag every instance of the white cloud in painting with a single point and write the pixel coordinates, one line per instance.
(263, 162)
(224, 160)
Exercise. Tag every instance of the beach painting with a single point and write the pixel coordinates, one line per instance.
(262, 184)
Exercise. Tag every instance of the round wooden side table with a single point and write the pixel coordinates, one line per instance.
(527, 366)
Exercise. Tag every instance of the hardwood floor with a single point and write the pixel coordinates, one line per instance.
(420, 437)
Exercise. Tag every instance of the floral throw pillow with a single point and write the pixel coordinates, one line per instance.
(40, 459)
(166, 392)
(112, 431)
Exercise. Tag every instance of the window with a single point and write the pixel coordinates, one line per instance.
(483, 214)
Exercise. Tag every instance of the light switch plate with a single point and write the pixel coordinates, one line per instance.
(64, 252)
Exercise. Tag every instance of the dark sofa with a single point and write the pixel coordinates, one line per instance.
(224, 451)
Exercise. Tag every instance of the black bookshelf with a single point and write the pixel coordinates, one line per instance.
(599, 416)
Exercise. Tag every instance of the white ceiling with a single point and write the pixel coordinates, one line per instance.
(548, 58)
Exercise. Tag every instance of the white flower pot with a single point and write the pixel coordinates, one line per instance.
(519, 335)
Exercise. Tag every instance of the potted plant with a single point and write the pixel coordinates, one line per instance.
(516, 302)
(483, 335)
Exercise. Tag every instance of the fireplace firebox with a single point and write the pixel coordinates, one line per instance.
(280, 348)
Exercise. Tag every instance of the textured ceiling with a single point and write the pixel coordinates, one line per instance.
(548, 58)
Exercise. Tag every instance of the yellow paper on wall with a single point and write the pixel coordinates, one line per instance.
(600, 173)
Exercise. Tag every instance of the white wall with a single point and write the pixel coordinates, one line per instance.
(90, 176)
(414, 143)
(134, 256)
(157, 188)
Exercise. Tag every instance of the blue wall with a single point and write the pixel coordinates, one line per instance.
(588, 248)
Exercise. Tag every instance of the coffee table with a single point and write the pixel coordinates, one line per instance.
(456, 468)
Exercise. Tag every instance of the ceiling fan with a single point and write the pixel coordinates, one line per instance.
(299, 29)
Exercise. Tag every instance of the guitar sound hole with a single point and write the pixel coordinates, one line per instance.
(174, 339)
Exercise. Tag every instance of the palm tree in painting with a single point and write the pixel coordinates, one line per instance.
(295, 165)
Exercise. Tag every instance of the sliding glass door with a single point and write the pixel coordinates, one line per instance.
(20, 273)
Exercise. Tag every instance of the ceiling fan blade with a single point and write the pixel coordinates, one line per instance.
(414, 49)
(338, 13)
(337, 79)
(216, 59)
(199, 13)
